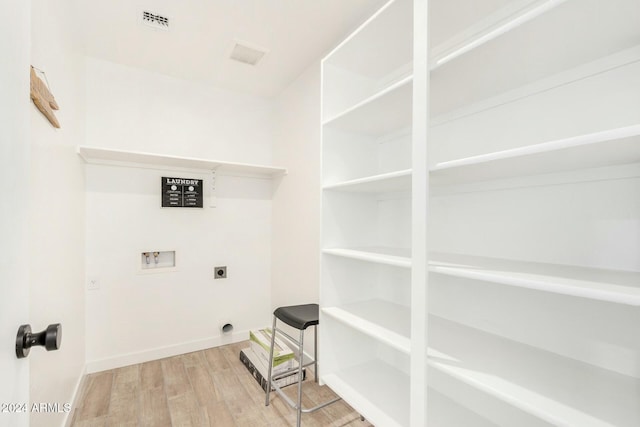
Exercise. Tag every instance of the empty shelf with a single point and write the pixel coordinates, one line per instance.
(380, 45)
(379, 392)
(106, 156)
(398, 257)
(387, 182)
(558, 390)
(387, 322)
(384, 112)
(605, 285)
(501, 22)
(497, 54)
(607, 148)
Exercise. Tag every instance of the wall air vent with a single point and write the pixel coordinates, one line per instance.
(155, 21)
(247, 54)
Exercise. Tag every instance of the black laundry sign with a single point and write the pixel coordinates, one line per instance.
(181, 192)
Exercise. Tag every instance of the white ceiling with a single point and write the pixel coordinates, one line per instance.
(202, 34)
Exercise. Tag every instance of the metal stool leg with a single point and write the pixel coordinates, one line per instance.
(300, 367)
(273, 340)
(315, 352)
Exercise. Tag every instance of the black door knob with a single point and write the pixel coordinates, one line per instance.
(50, 339)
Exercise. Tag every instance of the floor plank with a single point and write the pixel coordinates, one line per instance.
(93, 422)
(203, 386)
(98, 396)
(126, 380)
(186, 412)
(216, 360)
(151, 375)
(193, 359)
(219, 415)
(176, 381)
(154, 409)
(125, 406)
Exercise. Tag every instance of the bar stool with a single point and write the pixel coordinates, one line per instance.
(299, 317)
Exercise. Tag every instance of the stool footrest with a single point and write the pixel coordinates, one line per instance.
(291, 371)
(293, 404)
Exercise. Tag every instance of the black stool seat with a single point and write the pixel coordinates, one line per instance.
(299, 316)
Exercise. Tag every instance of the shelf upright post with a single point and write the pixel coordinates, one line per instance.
(420, 202)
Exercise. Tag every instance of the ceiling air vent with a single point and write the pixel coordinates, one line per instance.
(247, 54)
(156, 21)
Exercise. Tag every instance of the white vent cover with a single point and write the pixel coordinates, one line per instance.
(154, 20)
(247, 54)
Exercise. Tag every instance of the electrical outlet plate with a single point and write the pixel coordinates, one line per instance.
(220, 272)
(93, 284)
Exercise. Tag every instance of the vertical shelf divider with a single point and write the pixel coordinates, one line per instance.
(420, 207)
(368, 201)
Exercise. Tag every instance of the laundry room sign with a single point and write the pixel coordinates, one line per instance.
(181, 192)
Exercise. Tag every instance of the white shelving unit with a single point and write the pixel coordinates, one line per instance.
(368, 241)
(520, 304)
(534, 160)
(105, 156)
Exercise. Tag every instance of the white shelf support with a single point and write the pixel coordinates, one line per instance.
(213, 197)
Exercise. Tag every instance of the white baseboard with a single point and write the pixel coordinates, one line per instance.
(74, 397)
(163, 352)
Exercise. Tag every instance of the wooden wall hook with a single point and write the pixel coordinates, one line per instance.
(43, 99)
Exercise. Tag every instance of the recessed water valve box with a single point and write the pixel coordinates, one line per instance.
(157, 260)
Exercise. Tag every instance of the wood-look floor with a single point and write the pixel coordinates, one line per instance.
(209, 388)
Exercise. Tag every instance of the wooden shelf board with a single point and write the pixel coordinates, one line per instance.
(105, 156)
(381, 113)
(391, 256)
(605, 148)
(384, 321)
(387, 182)
(379, 392)
(605, 285)
(558, 390)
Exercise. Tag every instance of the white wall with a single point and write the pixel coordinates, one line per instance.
(296, 201)
(14, 172)
(57, 210)
(132, 109)
(136, 316)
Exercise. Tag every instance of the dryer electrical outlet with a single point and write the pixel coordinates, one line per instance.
(220, 272)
